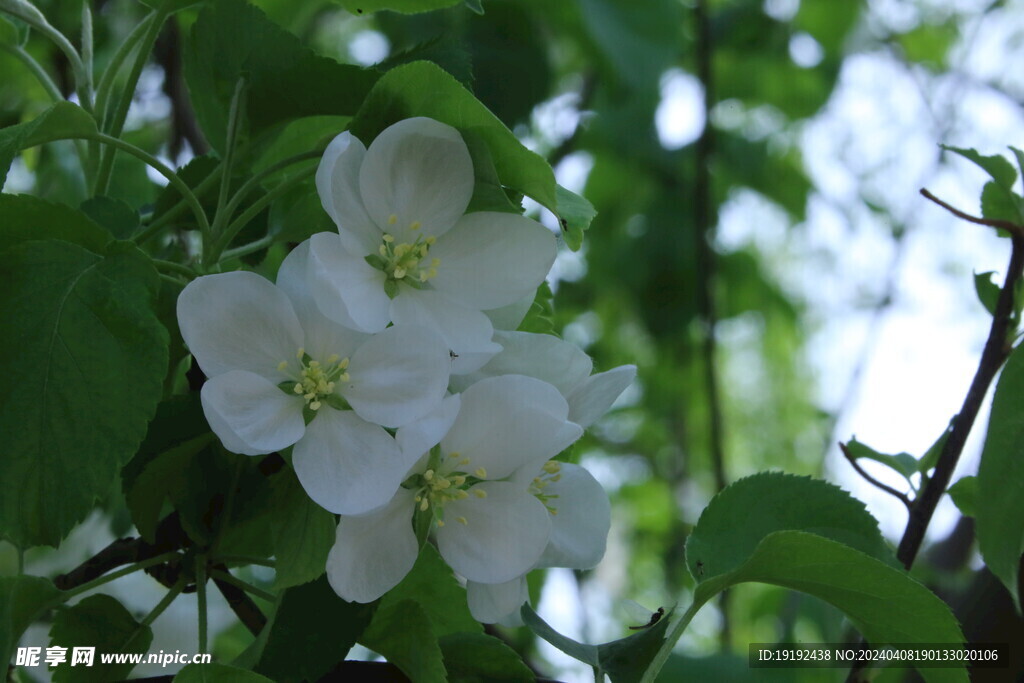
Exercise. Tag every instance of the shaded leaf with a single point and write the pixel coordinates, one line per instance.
(404, 635)
(86, 327)
(432, 584)
(987, 290)
(113, 214)
(102, 622)
(965, 494)
(218, 673)
(22, 600)
(998, 200)
(480, 658)
(303, 532)
(62, 121)
(403, 6)
(24, 217)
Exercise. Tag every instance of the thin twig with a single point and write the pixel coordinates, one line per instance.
(902, 497)
(241, 604)
(1008, 226)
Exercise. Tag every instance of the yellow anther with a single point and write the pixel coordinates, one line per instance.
(553, 511)
(424, 504)
(440, 523)
(399, 273)
(333, 358)
(428, 475)
(479, 493)
(556, 477)
(315, 405)
(343, 365)
(300, 353)
(314, 364)
(344, 377)
(458, 480)
(430, 273)
(455, 454)
(461, 495)
(382, 250)
(464, 461)
(415, 225)
(392, 219)
(418, 498)
(430, 240)
(298, 388)
(552, 467)
(282, 365)
(443, 483)
(480, 472)
(388, 238)
(461, 520)
(435, 262)
(424, 275)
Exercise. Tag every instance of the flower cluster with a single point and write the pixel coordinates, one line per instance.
(376, 356)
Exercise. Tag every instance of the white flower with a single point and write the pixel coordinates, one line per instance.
(579, 533)
(275, 363)
(405, 252)
(559, 363)
(493, 524)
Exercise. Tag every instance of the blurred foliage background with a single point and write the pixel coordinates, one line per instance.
(760, 253)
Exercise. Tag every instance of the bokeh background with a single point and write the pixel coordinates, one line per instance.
(761, 253)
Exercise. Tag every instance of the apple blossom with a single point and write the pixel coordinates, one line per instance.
(493, 522)
(407, 252)
(280, 373)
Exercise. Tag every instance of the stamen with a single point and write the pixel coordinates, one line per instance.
(392, 219)
(415, 225)
(461, 520)
(480, 472)
(479, 493)
(282, 366)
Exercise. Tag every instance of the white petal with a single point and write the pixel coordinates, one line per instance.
(250, 414)
(398, 375)
(419, 437)
(493, 259)
(504, 534)
(543, 356)
(346, 288)
(373, 552)
(238, 321)
(511, 316)
(490, 603)
(418, 170)
(337, 182)
(579, 531)
(510, 422)
(323, 336)
(592, 399)
(346, 464)
(467, 333)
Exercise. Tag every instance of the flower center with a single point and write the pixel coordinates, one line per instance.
(552, 473)
(407, 262)
(436, 487)
(315, 380)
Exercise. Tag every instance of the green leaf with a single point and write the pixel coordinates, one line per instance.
(60, 122)
(404, 635)
(539, 318)
(884, 603)
(312, 630)
(94, 355)
(987, 290)
(624, 660)
(22, 600)
(480, 658)
(102, 622)
(113, 214)
(403, 6)
(8, 33)
(965, 495)
(448, 53)
(929, 44)
(638, 40)
(424, 89)
(574, 215)
(24, 218)
(475, 6)
(904, 463)
(432, 584)
(998, 200)
(742, 514)
(488, 194)
(284, 79)
(1000, 498)
(177, 433)
(303, 532)
(218, 673)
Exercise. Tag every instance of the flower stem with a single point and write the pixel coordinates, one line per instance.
(246, 559)
(107, 79)
(234, 115)
(247, 587)
(172, 267)
(160, 223)
(201, 600)
(107, 578)
(172, 594)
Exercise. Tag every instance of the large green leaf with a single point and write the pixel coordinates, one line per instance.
(312, 630)
(22, 598)
(403, 633)
(60, 122)
(739, 517)
(432, 584)
(303, 532)
(884, 603)
(217, 673)
(283, 78)
(102, 622)
(1000, 499)
(81, 371)
(480, 658)
(24, 218)
(403, 6)
(424, 89)
(113, 214)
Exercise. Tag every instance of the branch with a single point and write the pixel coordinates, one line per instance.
(241, 604)
(871, 480)
(1008, 226)
(997, 349)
